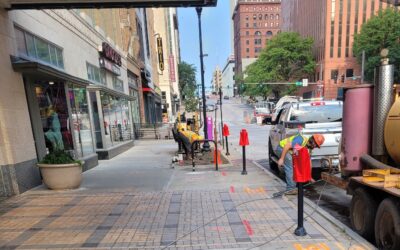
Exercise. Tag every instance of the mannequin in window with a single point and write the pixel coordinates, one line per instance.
(53, 135)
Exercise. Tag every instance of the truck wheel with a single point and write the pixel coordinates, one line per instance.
(362, 213)
(272, 164)
(387, 225)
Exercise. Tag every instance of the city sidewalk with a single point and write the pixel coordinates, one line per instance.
(139, 201)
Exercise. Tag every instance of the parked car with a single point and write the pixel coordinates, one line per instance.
(210, 107)
(263, 110)
(226, 97)
(320, 117)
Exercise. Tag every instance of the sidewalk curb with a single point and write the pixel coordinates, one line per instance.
(327, 216)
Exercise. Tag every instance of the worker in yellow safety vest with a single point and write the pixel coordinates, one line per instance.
(285, 150)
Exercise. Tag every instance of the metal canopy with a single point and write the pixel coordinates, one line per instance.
(80, 4)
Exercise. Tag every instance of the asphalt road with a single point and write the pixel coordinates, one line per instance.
(236, 116)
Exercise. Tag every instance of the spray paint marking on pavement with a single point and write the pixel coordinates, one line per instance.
(317, 246)
(223, 173)
(259, 190)
(249, 230)
(232, 189)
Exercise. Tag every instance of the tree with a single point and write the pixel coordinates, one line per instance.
(379, 32)
(187, 85)
(286, 58)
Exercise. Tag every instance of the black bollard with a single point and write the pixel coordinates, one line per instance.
(300, 230)
(244, 172)
(227, 147)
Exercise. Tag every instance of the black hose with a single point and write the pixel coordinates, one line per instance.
(371, 162)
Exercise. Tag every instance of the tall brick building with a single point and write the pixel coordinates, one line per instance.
(255, 22)
(332, 24)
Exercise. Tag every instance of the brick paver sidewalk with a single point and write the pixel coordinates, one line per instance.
(87, 219)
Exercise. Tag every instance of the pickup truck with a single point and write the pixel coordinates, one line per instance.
(307, 118)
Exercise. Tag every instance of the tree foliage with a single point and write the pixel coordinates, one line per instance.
(379, 32)
(286, 58)
(187, 85)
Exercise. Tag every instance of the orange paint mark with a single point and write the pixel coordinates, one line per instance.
(232, 189)
(249, 229)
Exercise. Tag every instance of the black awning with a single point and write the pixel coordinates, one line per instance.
(80, 4)
(93, 87)
(40, 71)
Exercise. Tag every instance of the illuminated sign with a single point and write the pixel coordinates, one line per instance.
(106, 64)
(69, 4)
(160, 54)
(112, 55)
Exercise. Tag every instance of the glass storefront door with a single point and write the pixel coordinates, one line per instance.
(66, 126)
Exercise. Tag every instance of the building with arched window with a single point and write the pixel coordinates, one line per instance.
(249, 40)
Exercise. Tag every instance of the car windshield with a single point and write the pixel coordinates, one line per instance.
(317, 114)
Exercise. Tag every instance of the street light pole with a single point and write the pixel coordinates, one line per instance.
(206, 145)
(222, 123)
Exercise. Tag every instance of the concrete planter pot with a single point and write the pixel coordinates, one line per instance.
(61, 176)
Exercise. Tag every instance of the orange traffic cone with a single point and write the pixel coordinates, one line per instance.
(217, 155)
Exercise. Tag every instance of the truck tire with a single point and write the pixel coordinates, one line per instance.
(387, 225)
(272, 164)
(362, 213)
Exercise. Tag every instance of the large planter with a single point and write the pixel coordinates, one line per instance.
(61, 176)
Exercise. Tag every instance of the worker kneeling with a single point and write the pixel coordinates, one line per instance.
(285, 152)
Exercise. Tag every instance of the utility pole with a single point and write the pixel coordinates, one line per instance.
(222, 123)
(206, 145)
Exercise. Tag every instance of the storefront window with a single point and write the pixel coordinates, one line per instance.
(117, 120)
(80, 120)
(54, 116)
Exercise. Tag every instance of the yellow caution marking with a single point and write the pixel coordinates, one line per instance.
(317, 246)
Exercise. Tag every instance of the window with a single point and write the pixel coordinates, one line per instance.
(269, 33)
(247, 50)
(266, 16)
(277, 16)
(316, 114)
(247, 18)
(247, 25)
(96, 74)
(257, 50)
(254, 17)
(257, 41)
(255, 25)
(260, 16)
(247, 42)
(118, 84)
(37, 48)
(349, 72)
(334, 74)
(247, 33)
(257, 33)
(163, 95)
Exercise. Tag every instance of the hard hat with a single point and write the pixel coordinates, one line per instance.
(319, 139)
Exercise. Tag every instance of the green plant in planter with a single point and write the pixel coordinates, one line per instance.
(59, 157)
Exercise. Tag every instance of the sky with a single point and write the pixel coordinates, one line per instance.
(216, 28)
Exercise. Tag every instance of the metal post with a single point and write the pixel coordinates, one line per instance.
(362, 66)
(244, 172)
(222, 124)
(227, 147)
(206, 145)
(300, 230)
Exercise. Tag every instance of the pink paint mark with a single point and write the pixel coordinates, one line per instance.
(217, 229)
(232, 189)
(223, 173)
(249, 230)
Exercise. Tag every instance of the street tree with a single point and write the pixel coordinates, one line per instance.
(286, 58)
(379, 32)
(187, 85)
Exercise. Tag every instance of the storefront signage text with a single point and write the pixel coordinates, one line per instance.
(160, 54)
(111, 54)
(104, 63)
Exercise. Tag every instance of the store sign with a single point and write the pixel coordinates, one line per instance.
(172, 68)
(76, 4)
(106, 64)
(160, 54)
(112, 55)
